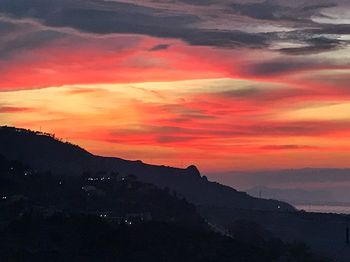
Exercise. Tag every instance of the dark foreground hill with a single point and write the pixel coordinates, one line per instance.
(82, 238)
(112, 217)
(45, 153)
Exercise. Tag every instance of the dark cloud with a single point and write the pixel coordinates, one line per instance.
(198, 2)
(185, 113)
(298, 15)
(297, 128)
(175, 139)
(107, 17)
(288, 147)
(276, 128)
(225, 38)
(22, 36)
(311, 49)
(242, 93)
(7, 28)
(12, 109)
(279, 67)
(101, 17)
(334, 29)
(313, 42)
(159, 47)
(93, 16)
(81, 90)
(26, 42)
(263, 96)
(269, 10)
(264, 10)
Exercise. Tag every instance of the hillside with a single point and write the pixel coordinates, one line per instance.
(43, 152)
(112, 217)
(113, 197)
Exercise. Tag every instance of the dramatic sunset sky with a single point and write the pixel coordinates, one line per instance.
(223, 84)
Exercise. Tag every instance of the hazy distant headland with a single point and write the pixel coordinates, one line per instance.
(320, 186)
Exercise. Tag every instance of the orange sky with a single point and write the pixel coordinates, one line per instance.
(175, 101)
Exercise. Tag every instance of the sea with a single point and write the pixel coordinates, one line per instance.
(324, 209)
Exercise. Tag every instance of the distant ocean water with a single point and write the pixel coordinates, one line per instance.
(325, 209)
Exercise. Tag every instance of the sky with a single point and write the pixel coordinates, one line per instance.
(223, 84)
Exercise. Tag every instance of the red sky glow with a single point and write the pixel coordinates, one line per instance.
(180, 83)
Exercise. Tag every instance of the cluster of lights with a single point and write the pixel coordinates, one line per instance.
(128, 222)
(125, 221)
(102, 178)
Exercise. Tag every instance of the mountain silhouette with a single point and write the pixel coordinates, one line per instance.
(44, 152)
